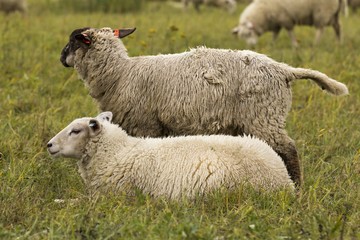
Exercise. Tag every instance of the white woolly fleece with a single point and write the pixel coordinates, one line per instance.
(179, 166)
(261, 16)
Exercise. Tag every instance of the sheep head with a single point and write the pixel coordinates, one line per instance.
(230, 5)
(72, 140)
(246, 30)
(83, 38)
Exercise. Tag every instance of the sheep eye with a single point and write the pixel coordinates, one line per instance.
(75, 131)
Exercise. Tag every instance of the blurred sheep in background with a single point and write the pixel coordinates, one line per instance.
(353, 4)
(262, 16)
(229, 5)
(9, 6)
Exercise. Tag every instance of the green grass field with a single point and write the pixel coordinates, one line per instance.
(38, 97)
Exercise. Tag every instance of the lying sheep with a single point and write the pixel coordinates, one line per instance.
(271, 15)
(9, 6)
(203, 91)
(229, 5)
(175, 168)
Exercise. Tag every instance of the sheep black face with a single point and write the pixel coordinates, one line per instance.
(68, 53)
(78, 39)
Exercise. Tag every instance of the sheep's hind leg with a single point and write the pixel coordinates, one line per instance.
(337, 29)
(287, 151)
(285, 147)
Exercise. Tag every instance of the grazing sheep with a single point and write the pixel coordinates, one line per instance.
(271, 15)
(229, 5)
(9, 6)
(353, 4)
(203, 91)
(173, 167)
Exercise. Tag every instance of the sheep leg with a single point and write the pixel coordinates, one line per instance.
(292, 37)
(287, 151)
(337, 29)
(276, 34)
(145, 130)
(346, 8)
(284, 146)
(319, 32)
(185, 3)
(197, 6)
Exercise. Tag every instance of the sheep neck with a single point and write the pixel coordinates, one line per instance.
(99, 164)
(100, 76)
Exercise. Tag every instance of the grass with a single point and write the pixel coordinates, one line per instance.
(39, 97)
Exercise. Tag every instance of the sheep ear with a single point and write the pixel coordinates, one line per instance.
(84, 38)
(105, 116)
(95, 127)
(121, 33)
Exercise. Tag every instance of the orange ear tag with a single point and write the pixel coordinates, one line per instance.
(116, 33)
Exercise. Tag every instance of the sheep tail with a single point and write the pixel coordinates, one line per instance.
(330, 85)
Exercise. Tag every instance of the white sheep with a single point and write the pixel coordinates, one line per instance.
(353, 4)
(9, 6)
(229, 5)
(262, 16)
(203, 91)
(174, 167)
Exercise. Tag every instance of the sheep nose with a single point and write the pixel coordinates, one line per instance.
(49, 145)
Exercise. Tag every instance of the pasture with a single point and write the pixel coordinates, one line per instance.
(38, 97)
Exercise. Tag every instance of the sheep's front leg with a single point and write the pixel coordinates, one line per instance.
(318, 34)
(276, 34)
(291, 34)
(146, 126)
(197, 5)
(147, 131)
(185, 3)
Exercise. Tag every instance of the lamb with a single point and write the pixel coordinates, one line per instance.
(9, 6)
(229, 5)
(271, 15)
(200, 92)
(174, 167)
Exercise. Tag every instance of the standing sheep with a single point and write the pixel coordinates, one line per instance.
(353, 4)
(174, 167)
(9, 6)
(229, 5)
(271, 15)
(203, 91)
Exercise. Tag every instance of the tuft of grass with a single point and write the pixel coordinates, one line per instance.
(39, 97)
